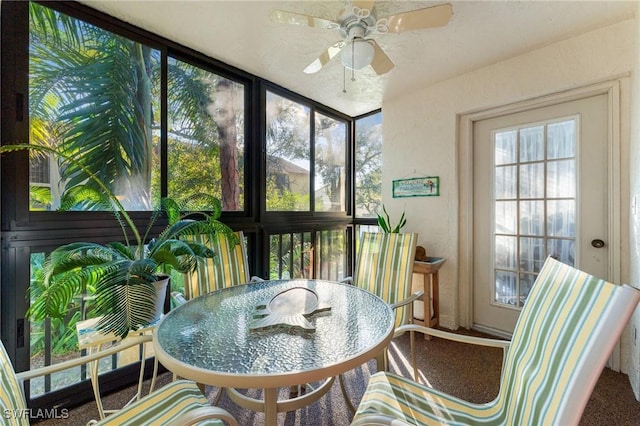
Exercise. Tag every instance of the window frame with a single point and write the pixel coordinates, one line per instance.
(24, 231)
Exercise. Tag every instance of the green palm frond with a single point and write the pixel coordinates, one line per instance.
(202, 202)
(172, 209)
(126, 307)
(40, 195)
(85, 197)
(124, 250)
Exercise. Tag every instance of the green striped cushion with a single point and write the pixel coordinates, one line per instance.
(162, 406)
(384, 266)
(229, 267)
(10, 393)
(563, 336)
(552, 335)
(416, 404)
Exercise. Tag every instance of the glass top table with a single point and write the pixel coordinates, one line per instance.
(273, 334)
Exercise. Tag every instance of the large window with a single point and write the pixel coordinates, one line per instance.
(330, 163)
(288, 159)
(206, 135)
(151, 119)
(93, 94)
(304, 171)
(368, 166)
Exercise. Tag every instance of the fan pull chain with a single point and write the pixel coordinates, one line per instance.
(353, 59)
(344, 79)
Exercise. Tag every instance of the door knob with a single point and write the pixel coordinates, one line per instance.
(597, 243)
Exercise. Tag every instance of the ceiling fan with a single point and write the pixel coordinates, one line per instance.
(357, 24)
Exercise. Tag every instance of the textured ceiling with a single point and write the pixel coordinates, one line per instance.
(480, 33)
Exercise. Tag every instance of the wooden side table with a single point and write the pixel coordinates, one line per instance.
(429, 269)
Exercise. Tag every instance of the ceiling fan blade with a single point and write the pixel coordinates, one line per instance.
(381, 63)
(364, 4)
(324, 58)
(285, 17)
(435, 16)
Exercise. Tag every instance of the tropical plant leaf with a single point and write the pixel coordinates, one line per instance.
(384, 222)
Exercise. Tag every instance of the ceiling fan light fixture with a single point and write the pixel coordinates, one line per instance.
(357, 54)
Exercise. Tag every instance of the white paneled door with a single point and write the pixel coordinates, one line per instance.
(540, 189)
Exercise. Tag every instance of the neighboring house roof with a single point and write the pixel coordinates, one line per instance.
(284, 166)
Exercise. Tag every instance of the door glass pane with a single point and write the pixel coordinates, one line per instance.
(561, 140)
(532, 254)
(506, 217)
(534, 204)
(505, 147)
(506, 252)
(532, 217)
(561, 178)
(506, 182)
(93, 95)
(205, 152)
(531, 180)
(532, 144)
(562, 250)
(506, 287)
(288, 183)
(525, 283)
(330, 164)
(561, 218)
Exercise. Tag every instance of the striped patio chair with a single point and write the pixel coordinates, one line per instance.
(179, 402)
(384, 267)
(229, 267)
(561, 342)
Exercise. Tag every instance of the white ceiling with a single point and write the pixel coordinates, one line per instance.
(480, 33)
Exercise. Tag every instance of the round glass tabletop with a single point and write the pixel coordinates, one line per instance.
(248, 331)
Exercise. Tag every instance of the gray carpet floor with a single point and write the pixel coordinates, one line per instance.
(469, 373)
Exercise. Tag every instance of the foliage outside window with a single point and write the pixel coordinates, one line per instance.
(206, 135)
(288, 155)
(92, 94)
(368, 166)
(290, 168)
(330, 161)
(96, 95)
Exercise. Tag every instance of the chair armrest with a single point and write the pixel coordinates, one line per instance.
(376, 419)
(415, 296)
(178, 298)
(122, 345)
(346, 280)
(482, 341)
(199, 414)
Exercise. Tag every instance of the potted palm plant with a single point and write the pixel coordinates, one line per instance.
(123, 273)
(384, 222)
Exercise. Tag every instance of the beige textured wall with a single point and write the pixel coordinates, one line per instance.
(420, 133)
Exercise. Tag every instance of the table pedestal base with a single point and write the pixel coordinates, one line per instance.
(270, 405)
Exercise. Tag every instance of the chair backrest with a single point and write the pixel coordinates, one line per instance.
(384, 266)
(12, 405)
(564, 335)
(229, 267)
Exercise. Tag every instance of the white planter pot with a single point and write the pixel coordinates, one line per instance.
(161, 292)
